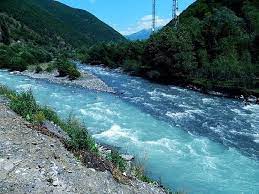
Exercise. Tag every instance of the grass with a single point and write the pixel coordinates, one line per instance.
(25, 105)
(117, 160)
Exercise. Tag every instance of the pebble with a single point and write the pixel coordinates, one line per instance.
(55, 183)
(87, 80)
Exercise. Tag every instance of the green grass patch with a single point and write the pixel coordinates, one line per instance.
(26, 106)
(117, 160)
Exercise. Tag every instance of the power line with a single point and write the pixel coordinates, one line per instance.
(154, 16)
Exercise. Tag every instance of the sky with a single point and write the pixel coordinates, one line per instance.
(128, 16)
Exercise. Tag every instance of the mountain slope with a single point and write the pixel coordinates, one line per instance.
(215, 46)
(54, 20)
(141, 35)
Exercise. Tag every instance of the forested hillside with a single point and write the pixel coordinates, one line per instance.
(55, 21)
(215, 46)
(33, 32)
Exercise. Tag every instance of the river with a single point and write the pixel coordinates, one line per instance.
(187, 140)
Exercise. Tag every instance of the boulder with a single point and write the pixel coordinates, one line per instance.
(127, 157)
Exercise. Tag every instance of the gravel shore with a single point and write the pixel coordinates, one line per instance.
(31, 162)
(87, 80)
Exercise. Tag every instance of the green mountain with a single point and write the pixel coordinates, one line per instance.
(56, 22)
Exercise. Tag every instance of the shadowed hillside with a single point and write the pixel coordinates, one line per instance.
(54, 20)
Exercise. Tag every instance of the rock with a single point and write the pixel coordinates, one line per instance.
(252, 99)
(15, 72)
(93, 170)
(55, 183)
(127, 157)
(9, 167)
(46, 170)
(56, 130)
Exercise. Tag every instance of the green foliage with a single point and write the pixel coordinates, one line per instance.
(39, 118)
(25, 105)
(57, 24)
(38, 69)
(216, 41)
(51, 67)
(51, 115)
(66, 68)
(80, 138)
(127, 54)
(5, 91)
(117, 160)
(19, 56)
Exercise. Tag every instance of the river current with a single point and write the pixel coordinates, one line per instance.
(187, 140)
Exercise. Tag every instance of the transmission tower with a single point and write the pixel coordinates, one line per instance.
(175, 13)
(154, 16)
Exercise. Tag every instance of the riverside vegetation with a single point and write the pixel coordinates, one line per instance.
(28, 50)
(215, 47)
(35, 31)
(80, 142)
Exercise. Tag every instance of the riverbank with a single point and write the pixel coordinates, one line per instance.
(202, 86)
(34, 161)
(86, 80)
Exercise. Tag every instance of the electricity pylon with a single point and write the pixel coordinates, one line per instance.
(175, 13)
(154, 16)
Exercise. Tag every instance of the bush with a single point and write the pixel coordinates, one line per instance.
(18, 56)
(73, 73)
(66, 68)
(50, 68)
(117, 160)
(38, 69)
(80, 138)
(39, 118)
(25, 105)
(51, 115)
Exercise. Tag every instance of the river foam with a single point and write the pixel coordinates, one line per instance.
(191, 144)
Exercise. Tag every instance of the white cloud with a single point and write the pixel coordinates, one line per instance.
(92, 1)
(145, 23)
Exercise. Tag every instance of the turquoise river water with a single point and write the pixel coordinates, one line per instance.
(187, 140)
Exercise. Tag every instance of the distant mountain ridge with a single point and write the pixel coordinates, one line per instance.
(54, 21)
(141, 35)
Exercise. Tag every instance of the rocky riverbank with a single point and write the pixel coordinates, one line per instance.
(33, 162)
(87, 80)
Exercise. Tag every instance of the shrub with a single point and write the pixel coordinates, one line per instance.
(50, 68)
(73, 73)
(66, 68)
(25, 105)
(39, 118)
(80, 138)
(51, 115)
(18, 64)
(38, 69)
(117, 160)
